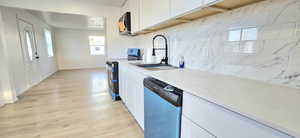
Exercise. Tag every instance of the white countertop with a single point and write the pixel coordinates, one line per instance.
(272, 105)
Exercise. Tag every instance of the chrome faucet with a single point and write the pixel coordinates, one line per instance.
(165, 59)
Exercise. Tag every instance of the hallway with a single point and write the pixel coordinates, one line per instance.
(69, 104)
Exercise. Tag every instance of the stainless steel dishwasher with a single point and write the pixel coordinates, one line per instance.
(163, 107)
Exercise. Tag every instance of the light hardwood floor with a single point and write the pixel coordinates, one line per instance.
(69, 104)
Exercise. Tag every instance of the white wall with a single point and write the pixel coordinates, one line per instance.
(73, 49)
(116, 45)
(2, 61)
(7, 91)
(13, 51)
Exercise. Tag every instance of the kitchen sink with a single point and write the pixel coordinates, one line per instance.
(155, 66)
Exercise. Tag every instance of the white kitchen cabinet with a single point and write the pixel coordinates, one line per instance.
(179, 7)
(122, 88)
(133, 6)
(139, 98)
(132, 91)
(145, 13)
(224, 123)
(135, 15)
(160, 10)
(148, 13)
(191, 130)
(153, 12)
(125, 89)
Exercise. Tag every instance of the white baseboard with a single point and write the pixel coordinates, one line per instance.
(36, 83)
(1, 104)
(84, 68)
(11, 101)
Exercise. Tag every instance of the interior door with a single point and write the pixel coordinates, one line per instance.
(30, 52)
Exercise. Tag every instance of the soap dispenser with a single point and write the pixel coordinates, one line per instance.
(181, 62)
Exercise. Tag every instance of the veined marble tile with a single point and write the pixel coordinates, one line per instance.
(274, 57)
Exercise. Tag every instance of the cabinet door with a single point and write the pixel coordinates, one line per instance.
(225, 123)
(124, 84)
(140, 100)
(182, 6)
(121, 83)
(160, 10)
(179, 7)
(153, 12)
(191, 130)
(145, 13)
(131, 92)
(135, 15)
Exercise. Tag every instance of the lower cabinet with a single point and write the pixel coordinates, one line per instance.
(139, 100)
(132, 92)
(200, 118)
(190, 130)
(222, 122)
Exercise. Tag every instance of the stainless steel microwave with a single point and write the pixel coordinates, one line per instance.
(125, 24)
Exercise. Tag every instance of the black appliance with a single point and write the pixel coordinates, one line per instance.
(125, 24)
(112, 68)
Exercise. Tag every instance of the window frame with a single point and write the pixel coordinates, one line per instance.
(247, 42)
(90, 45)
(49, 44)
(241, 35)
(29, 48)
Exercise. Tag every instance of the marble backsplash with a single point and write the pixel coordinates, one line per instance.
(259, 41)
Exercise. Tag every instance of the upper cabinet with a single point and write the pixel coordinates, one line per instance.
(135, 15)
(153, 12)
(145, 13)
(179, 7)
(153, 15)
(132, 6)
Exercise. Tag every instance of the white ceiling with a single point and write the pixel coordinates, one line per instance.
(70, 21)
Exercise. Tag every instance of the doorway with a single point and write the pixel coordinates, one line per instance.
(29, 52)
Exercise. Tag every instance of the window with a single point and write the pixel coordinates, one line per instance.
(97, 45)
(249, 34)
(243, 34)
(48, 38)
(243, 40)
(234, 35)
(29, 45)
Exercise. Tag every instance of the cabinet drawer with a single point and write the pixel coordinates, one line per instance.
(224, 123)
(191, 130)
